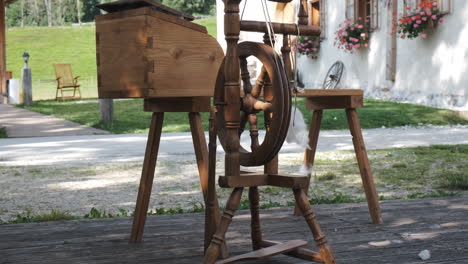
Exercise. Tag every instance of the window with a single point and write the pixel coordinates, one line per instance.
(317, 15)
(365, 9)
(445, 6)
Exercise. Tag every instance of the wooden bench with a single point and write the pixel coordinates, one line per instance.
(318, 100)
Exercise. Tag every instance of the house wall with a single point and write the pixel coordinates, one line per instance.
(430, 71)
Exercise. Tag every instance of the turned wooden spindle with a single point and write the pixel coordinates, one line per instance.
(324, 249)
(232, 86)
(256, 233)
(303, 16)
(213, 251)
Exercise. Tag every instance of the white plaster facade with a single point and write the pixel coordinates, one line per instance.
(432, 71)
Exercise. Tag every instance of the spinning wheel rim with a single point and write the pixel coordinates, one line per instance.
(281, 105)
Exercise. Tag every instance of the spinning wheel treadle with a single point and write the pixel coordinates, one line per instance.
(275, 102)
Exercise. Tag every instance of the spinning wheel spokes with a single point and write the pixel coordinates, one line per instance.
(333, 77)
(274, 103)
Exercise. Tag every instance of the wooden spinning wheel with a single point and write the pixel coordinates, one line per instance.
(232, 112)
(274, 103)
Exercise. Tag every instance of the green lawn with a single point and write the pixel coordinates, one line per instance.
(3, 133)
(130, 118)
(46, 46)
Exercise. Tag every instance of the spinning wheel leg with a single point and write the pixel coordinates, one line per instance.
(147, 175)
(309, 155)
(256, 232)
(304, 205)
(213, 251)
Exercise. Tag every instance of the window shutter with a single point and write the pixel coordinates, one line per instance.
(445, 6)
(323, 18)
(374, 14)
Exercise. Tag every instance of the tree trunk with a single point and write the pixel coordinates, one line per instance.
(60, 19)
(78, 8)
(36, 12)
(48, 7)
(22, 13)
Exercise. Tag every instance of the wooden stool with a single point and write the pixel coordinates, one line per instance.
(158, 106)
(348, 99)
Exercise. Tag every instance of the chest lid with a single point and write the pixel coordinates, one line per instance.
(123, 5)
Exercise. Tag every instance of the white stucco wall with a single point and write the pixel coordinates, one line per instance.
(432, 71)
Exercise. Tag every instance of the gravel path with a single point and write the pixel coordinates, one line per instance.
(75, 174)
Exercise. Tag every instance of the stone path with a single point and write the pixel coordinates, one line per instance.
(22, 123)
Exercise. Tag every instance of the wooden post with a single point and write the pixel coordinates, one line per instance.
(391, 42)
(232, 87)
(106, 107)
(3, 92)
(27, 86)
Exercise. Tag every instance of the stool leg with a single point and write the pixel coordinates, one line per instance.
(201, 150)
(324, 249)
(364, 166)
(147, 175)
(309, 155)
(213, 251)
(256, 232)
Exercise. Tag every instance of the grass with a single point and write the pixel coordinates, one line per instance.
(72, 44)
(53, 215)
(130, 118)
(3, 133)
(428, 172)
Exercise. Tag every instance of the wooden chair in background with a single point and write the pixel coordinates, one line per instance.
(66, 81)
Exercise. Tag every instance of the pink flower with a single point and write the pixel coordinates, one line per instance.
(352, 28)
(429, 13)
(415, 25)
(360, 26)
(422, 13)
(418, 21)
(434, 3)
(357, 46)
(413, 18)
(366, 45)
(434, 17)
(363, 35)
(423, 36)
(424, 18)
(441, 19)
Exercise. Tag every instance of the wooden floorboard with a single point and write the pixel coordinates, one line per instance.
(439, 225)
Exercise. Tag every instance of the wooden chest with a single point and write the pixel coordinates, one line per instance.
(146, 50)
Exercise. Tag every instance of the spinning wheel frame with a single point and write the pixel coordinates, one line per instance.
(276, 104)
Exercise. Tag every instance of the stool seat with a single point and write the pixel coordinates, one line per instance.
(320, 99)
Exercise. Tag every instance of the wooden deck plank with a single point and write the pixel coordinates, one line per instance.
(440, 225)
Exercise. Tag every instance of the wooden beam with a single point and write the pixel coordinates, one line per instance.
(3, 97)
